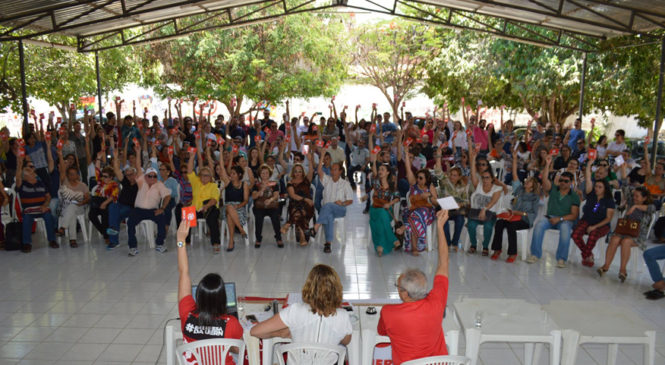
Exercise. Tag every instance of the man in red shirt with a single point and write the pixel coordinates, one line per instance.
(414, 327)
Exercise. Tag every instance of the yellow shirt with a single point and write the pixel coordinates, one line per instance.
(202, 192)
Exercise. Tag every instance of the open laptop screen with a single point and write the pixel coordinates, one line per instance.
(231, 299)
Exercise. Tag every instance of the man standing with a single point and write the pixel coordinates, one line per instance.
(575, 134)
(563, 209)
(151, 202)
(414, 326)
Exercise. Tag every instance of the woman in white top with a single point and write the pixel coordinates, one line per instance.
(318, 319)
(484, 202)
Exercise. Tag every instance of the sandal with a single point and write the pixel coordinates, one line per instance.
(60, 232)
(379, 251)
(280, 244)
(471, 250)
(623, 276)
(326, 247)
(601, 272)
(511, 259)
(655, 295)
(229, 249)
(486, 252)
(257, 245)
(285, 228)
(495, 255)
(216, 249)
(73, 244)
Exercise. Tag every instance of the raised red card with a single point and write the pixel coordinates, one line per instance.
(191, 150)
(21, 152)
(59, 144)
(554, 152)
(189, 214)
(257, 138)
(47, 136)
(21, 142)
(169, 150)
(592, 154)
(320, 143)
(376, 150)
(372, 128)
(235, 148)
(408, 141)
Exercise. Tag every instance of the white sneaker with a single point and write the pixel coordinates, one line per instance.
(160, 249)
(561, 264)
(133, 251)
(532, 259)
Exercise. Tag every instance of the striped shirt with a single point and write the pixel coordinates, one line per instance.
(186, 192)
(32, 195)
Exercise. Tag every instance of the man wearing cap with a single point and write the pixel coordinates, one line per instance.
(562, 211)
(152, 199)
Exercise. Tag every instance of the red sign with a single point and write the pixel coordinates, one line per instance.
(372, 128)
(376, 150)
(189, 214)
(191, 150)
(21, 142)
(21, 152)
(554, 152)
(59, 144)
(47, 135)
(319, 143)
(169, 150)
(235, 148)
(592, 154)
(408, 142)
(257, 138)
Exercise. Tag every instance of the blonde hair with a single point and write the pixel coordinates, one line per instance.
(293, 169)
(265, 166)
(323, 290)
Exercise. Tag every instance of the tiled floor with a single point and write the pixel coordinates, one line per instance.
(87, 305)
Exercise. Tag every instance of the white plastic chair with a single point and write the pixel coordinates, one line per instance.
(209, 352)
(636, 253)
(497, 168)
(310, 353)
(339, 223)
(440, 360)
(224, 228)
(81, 218)
(149, 229)
(39, 221)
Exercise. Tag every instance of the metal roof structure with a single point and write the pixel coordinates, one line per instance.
(102, 24)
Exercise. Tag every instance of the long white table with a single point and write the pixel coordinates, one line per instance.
(508, 320)
(370, 338)
(173, 338)
(603, 323)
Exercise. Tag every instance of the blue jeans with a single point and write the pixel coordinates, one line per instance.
(459, 224)
(488, 228)
(651, 257)
(565, 229)
(53, 205)
(327, 215)
(28, 219)
(136, 216)
(117, 213)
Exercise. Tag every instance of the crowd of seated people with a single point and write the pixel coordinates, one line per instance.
(236, 173)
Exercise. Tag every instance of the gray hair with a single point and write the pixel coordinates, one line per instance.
(414, 282)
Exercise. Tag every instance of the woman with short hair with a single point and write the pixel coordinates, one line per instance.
(301, 201)
(105, 192)
(320, 317)
(266, 203)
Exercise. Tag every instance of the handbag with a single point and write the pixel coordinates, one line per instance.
(628, 227)
(509, 217)
(475, 214)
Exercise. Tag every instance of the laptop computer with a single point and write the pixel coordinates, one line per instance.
(231, 298)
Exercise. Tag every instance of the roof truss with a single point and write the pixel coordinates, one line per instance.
(103, 24)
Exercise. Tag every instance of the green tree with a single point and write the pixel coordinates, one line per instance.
(541, 81)
(296, 56)
(62, 77)
(392, 56)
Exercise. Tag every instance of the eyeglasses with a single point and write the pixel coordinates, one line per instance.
(604, 165)
(152, 176)
(399, 288)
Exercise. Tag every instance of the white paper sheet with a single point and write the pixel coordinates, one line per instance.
(447, 203)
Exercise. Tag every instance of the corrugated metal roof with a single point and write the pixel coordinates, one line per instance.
(82, 18)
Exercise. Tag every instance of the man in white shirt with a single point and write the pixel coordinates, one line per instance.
(359, 160)
(151, 200)
(615, 148)
(337, 195)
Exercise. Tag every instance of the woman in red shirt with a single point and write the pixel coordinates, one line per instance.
(206, 317)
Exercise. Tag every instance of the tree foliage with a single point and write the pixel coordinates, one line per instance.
(296, 56)
(392, 56)
(61, 77)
